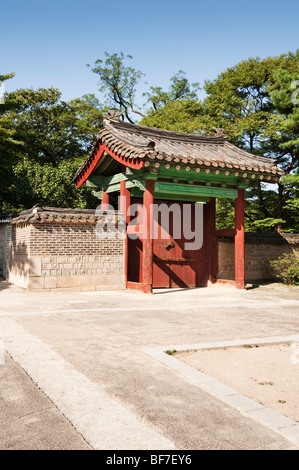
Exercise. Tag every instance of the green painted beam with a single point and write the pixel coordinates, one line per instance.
(135, 192)
(196, 191)
(202, 176)
(168, 190)
(112, 183)
(179, 198)
(98, 194)
(134, 172)
(231, 179)
(229, 183)
(107, 180)
(112, 188)
(244, 184)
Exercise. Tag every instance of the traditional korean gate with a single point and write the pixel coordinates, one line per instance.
(173, 264)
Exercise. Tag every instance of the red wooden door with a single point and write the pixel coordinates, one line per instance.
(134, 245)
(173, 264)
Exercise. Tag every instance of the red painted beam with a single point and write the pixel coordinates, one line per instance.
(86, 172)
(239, 241)
(225, 232)
(135, 163)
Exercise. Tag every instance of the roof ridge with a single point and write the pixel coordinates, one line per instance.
(168, 135)
(116, 133)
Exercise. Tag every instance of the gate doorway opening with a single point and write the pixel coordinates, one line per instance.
(174, 263)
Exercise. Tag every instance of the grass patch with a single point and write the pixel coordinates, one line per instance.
(170, 352)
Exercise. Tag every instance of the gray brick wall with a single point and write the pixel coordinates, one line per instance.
(62, 256)
(2, 247)
(65, 255)
(256, 259)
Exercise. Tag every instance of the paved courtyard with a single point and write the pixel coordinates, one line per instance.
(75, 374)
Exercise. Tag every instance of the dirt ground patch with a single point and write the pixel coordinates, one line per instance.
(266, 374)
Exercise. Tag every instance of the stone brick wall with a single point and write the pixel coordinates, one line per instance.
(7, 250)
(14, 253)
(66, 253)
(68, 256)
(17, 256)
(257, 256)
(63, 256)
(2, 247)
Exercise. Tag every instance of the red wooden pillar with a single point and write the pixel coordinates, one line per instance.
(239, 241)
(125, 202)
(212, 244)
(105, 201)
(147, 249)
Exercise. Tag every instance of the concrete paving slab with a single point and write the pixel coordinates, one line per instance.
(243, 403)
(28, 419)
(272, 418)
(102, 420)
(102, 340)
(278, 422)
(185, 369)
(219, 389)
(292, 432)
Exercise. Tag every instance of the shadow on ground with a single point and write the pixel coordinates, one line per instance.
(4, 284)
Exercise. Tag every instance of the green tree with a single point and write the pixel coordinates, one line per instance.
(241, 100)
(49, 185)
(53, 130)
(55, 138)
(183, 115)
(252, 103)
(254, 217)
(284, 96)
(179, 89)
(118, 82)
(291, 205)
(9, 144)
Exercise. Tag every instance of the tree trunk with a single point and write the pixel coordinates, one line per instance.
(279, 206)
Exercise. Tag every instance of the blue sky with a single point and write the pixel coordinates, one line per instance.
(49, 43)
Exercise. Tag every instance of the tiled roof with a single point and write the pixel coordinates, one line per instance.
(39, 214)
(291, 238)
(145, 143)
(273, 238)
(7, 217)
